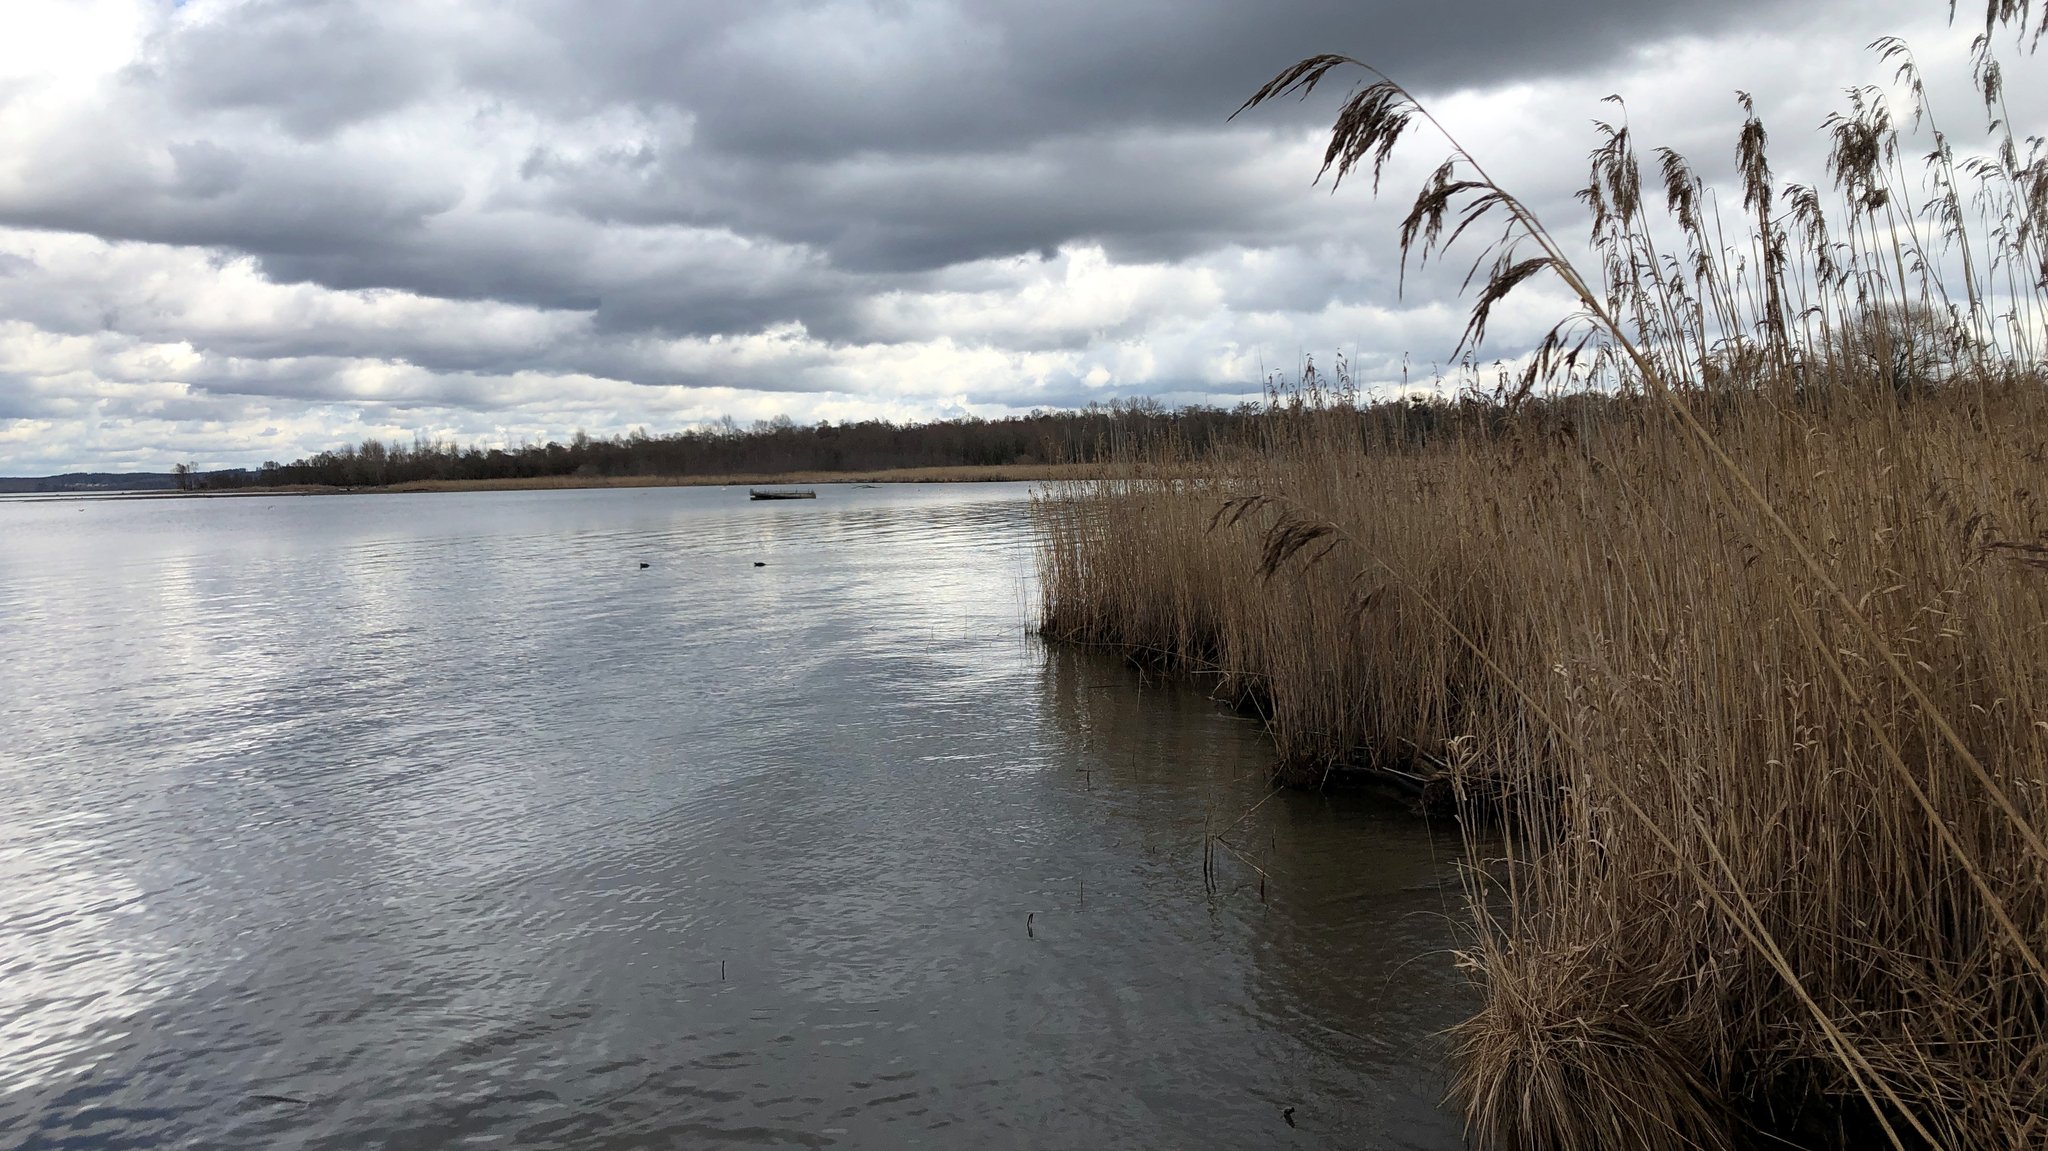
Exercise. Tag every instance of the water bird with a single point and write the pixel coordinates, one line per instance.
(1287, 1113)
(646, 565)
(760, 563)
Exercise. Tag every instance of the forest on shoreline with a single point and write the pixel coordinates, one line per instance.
(768, 447)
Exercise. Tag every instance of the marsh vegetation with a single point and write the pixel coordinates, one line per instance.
(1725, 608)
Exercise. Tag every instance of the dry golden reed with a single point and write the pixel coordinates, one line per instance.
(1731, 604)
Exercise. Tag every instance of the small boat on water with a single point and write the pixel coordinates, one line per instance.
(784, 494)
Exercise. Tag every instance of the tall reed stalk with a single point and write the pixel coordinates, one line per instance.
(1730, 602)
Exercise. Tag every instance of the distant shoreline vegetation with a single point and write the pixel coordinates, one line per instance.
(1055, 446)
(770, 448)
(963, 473)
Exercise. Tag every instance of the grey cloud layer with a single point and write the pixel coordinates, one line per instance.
(884, 138)
(900, 206)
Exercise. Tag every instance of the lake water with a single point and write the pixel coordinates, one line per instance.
(426, 821)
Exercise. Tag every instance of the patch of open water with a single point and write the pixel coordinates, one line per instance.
(410, 821)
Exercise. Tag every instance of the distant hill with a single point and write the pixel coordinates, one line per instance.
(90, 482)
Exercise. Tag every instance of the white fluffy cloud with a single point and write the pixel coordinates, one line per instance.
(233, 230)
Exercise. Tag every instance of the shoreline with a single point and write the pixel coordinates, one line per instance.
(951, 474)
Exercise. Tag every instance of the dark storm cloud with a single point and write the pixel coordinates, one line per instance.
(316, 66)
(810, 81)
(901, 136)
(254, 197)
(1142, 196)
(890, 137)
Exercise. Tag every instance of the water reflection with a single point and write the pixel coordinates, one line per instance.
(403, 821)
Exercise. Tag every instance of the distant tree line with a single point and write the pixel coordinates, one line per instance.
(1312, 403)
(770, 446)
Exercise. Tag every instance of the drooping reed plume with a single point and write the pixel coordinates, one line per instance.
(1731, 602)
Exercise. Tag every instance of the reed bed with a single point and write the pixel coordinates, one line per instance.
(1729, 606)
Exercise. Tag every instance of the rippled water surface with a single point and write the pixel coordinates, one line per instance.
(426, 821)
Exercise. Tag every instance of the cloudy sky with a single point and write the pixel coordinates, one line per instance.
(238, 230)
